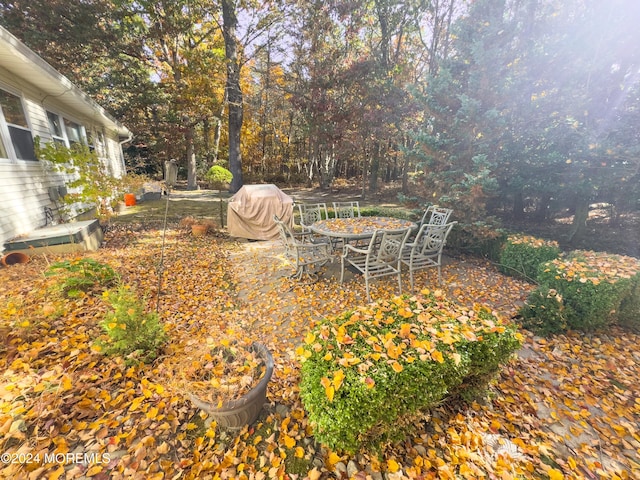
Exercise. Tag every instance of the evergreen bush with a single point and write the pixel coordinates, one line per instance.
(81, 275)
(583, 291)
(367, 375)
(522, 255)
(132, 332)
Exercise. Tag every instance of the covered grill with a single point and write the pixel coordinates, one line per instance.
(250, 212)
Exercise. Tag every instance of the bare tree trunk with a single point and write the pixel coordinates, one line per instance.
(405, 175)
(216, 139)
(365, 166)
(518, 206)
(375, 167)
(233, 91)
(543, 207)
(327, 166)
(192, 180)
(579, 225)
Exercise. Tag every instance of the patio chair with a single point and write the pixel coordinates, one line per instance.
(425, 250)
(309, 214)
(346, 209)
(435, 215)
(380, 259)
(303, 255)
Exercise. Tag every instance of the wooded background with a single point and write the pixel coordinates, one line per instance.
(528, 107)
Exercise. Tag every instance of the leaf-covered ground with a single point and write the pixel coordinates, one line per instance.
(567, 407)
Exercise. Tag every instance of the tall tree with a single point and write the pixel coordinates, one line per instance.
(233, 91)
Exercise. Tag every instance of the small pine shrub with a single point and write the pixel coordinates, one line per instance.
(522, 255)
(583, 291)
(132, 332)
(368, 375)
(81, 275)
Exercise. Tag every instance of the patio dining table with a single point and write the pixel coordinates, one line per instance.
(358, 228)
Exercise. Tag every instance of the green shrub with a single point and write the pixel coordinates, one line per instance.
(132, 333)
(89, 179)
(367, 375)
(381, 211)
(583, 291)
(522, 255)
(479, 239)
(629, 312)
(219, 176)
(81, 275)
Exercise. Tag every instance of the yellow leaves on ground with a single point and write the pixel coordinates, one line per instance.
(532, 241)
(555, 474)
(332, 459)
(392, 465)
(59, 394)
(135, 404)
(394, 351)
(288, 441)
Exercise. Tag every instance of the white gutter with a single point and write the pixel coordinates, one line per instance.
(20, 60)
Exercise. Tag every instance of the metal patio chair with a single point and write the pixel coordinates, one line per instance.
(381, 258)
(425, 251)
(303, 255)
(435, 215)
(346, 209)
(310, 213)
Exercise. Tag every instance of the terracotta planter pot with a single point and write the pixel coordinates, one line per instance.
(198, 230)
(246, 409)
(14, 258)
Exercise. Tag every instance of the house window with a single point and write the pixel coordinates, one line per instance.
(13, 115)
(64, 131)
(55, 127)
(95, 140)
(75, 132)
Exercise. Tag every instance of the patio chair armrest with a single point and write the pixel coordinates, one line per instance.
(301, 234)
(348, 247)
(310, 246)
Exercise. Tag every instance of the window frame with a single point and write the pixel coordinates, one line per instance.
(78, 127)
(5, 129)
(58, 138)
(65, 123)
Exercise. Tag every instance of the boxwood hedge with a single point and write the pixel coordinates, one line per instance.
(522, 255)
(584, 291)
(368, 374)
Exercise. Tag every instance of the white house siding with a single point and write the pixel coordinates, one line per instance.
(24, 186)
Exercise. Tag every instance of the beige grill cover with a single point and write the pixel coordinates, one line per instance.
(250, 212)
